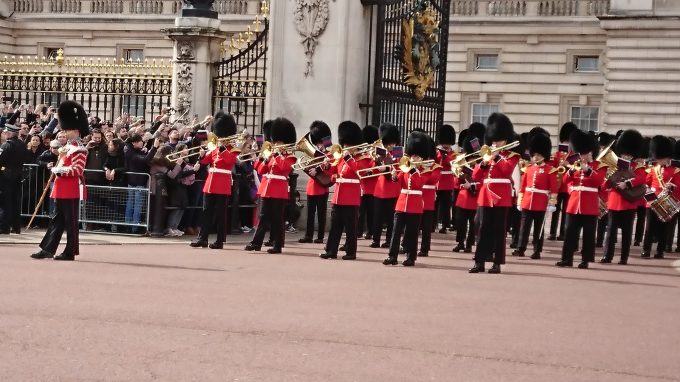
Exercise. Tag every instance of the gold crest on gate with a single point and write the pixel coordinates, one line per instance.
(420, 59)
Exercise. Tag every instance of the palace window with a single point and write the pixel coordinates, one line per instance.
(586, 64)
(133, 56)
(486, 62)
(482, 111)
(585, 117)
(51, 53)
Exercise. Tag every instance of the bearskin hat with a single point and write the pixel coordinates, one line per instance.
(318, 131)
(605, 139)
(629, 143)
(370, 134)
(582, 142)
(523, 140)
(478, 130)
(389, 134)
(676, 152)
(349, 133)
(645, 152)
(538, 130)
(72, 116)
(283, 130)
(540, 144)
(566, 130)
(432, 148)
(418, 144)
(446, 135)
(499, 128)
(660, 147)
(267, 130)
(461, 137)
(223, 125)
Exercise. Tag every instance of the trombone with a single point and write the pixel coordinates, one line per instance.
(235, 140)
(266, 151)
(405, 164)
(485, 153)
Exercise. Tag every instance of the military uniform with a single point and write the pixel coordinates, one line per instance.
(13, 154)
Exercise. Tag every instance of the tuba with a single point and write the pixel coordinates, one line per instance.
(315, 158)
(616, 175)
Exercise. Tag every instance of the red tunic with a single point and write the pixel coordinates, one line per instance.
(278, 169)
(537, 184)
(72, 165)
(386, 188)
(584, 190)
(496, 180)
(261, 169)
(430, 179)
(347, 184)
(368, 184)
(467, 198)
(557, 160)
(669, 174)
(219, 179)
(410, 198)
(616, 202)
(447, 180)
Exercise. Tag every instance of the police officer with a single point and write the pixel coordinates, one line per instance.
(13, 154)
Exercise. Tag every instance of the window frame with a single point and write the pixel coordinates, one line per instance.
(472, 110)
(597, 120)
(574, 55)
(476, 52)
(478, 68)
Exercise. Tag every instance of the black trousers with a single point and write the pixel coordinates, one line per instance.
(316, 204)
(271, 216)
(65, 218)
(670, 233)
(214, 215)
(426, 223)
(514, 224)
(444, 203)
(640, 224)
(366, 214)
(574, 224)
(537, 219)
(559, 216)
(453, 207)
(11, 205)
(602, 228)
(343, 218)
(384, 214)
(623, 220)
(465, 225)
(407, 224)
(654, 228)
(492, 231)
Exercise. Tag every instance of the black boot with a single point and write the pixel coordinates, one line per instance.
(408, 263)
(536, 256)
(564, 263)
(374, 245)
(518, 252)
(368, 236)
(318, 241)
(390, 261)
(468, 249)
(385, 245)
(349, 257)
(273, 250)
(583, 265)
(623, 261)
(305, 240)
(326, 256)
(216, 245)
(659, 255)
(423, 254)
(253, 247)
(458, 248)
(645, 255)
(552, 237)
(268, 243)
(605, 260)
(496, 268)
(477, 268)
(42, 255)
(64, 257)
(199, 244)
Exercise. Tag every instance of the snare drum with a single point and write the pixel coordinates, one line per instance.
(665, 206)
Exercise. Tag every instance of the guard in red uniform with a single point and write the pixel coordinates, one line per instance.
(217, 188)
(347, 195)
(495, 195)
(409, 208)
(317, 194)
(366, 210)
(663, 176)
(584, 180)
(641, 213)
(446, 138)
(604, 140)
(66, 190)
(559, 159)
(431, 176)
(621, 209)
(538, 191)
(386, 190)
(275, 167)
(466, 201)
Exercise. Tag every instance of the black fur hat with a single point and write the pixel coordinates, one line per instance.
(566, 130)
(538, 130)
(418, 144)
(540, 144)
(389, 134)
(661, 147)
(318, 131)
(283, 130)
(499, 128)
(370, 134)
(432, 148)
(477, 129)
(582, 142)
(646, 141)
(604, 139)
(446, 135)
(223, 125)
(349, 133)
(629, 143)
(72, 116)
(267, 130)
(676, 151)
(461, 137)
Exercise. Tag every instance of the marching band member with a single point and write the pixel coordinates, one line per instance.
(621, 210)
(409, 208)
(67, 185)
(386, 191)
(662, 177)
(466, 202)
(641, 213)
(604, 139)
(217, 186)
(431, 176)
(317, 194)
(366, 213)
(276, 168)
(347, 195)
(446, 138)
(583, 180)
(538, 190)
(495, 195)
(559, 216)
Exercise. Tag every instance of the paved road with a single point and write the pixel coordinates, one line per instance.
(162, 311)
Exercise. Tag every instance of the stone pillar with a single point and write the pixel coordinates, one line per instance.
(197, 43)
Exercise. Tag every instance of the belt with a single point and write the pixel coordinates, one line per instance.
(345, 180)
(537, 190)
(496, 180)
(279, 177)
(446, 172)
(429, 187)
(584, 188)
(219, 170)
(411, 192)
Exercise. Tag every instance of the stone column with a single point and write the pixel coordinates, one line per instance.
(197, 43)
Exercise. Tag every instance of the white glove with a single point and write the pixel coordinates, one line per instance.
(552, 209)
(519, 208)
(58, 170)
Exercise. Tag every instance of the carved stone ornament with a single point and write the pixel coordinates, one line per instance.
(184, 87)
(185, 51)
(311, 19)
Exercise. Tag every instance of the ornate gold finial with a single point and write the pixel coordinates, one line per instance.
(264, 9)
(257, 23)
(60, 57)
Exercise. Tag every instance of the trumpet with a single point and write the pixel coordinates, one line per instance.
(235, 140)
(267, 150)
(405, 164)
